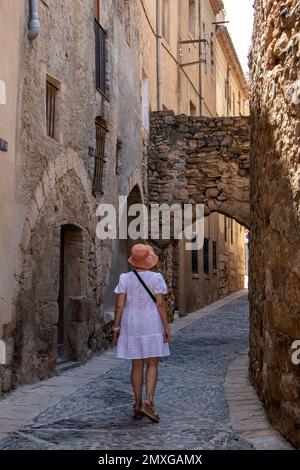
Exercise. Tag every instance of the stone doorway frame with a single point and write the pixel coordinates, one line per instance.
(73, 304)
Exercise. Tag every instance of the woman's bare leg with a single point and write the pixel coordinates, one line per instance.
(137, 379)
(151, 378)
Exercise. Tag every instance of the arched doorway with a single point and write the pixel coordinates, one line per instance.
(134, 197)
(72, 292)
(121, 252)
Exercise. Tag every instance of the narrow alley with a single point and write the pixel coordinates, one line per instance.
(158, 137)
(97, 415)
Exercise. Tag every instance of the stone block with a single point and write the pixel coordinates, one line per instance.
(211, 192)
(226, 141)
(289, 384)
(5, 379)
(80, 309)
(78, 341)
(49, 313)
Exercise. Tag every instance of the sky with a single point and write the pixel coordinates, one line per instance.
(240, 16)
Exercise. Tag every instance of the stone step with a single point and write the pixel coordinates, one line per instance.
(64, 366)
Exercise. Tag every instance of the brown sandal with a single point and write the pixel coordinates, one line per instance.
(149, 411)
(137, 412)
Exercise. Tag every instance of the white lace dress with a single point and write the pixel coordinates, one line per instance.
(141, 333)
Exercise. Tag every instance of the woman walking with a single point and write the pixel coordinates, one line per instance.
(141, 327)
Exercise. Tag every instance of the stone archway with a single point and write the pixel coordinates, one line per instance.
(201, 160)
(134, 197)
(37, 293)
(121, 250)
(198, 160)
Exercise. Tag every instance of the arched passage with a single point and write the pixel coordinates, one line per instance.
(201, 160)
(134, 197)
(121, 251)
(200, 276)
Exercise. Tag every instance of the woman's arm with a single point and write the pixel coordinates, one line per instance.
(121, 299)
(162, 308)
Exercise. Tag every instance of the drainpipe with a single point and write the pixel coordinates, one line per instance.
(158, 53)
(200, 61)
(34, 22)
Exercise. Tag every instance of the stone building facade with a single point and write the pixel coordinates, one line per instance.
(72, 122)
(231, 86)
(275, 211)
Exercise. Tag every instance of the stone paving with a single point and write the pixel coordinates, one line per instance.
(190, 394)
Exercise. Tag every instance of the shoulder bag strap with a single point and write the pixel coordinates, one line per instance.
(145, 286)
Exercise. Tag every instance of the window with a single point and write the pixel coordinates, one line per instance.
(96, 8)
(239, 102)
(145, 102)
(229, 98)
(212, 55)
(225, 228)
(100, 56)
(127, 12)
(51, 108)
(193, 109)
(194, 253)
(215, 264)
(118, 156)
(206, 256)
(101, 130)
(231, 231)
(233, 101)
(166, 19)
(2, 92)
(192, 18)
(203, 47)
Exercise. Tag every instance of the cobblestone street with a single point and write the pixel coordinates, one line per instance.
(190, 395)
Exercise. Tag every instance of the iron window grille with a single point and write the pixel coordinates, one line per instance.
(100, 57)
(101, 131)
(206, 256)
(231, 231)
(195, 268)
(215, 266)
(51, 96)
(118, 156)
(127, 8)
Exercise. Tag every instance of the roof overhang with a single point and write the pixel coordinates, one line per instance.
(228, 48)
(217, 5)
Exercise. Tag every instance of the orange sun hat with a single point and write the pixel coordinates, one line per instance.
(143, 256)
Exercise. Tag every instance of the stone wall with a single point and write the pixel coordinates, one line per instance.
(54, 182)
(275, 211)
(201, 160)
(231, 272)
